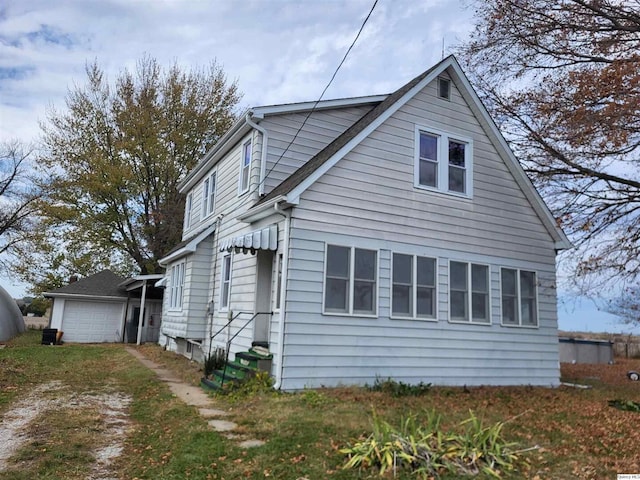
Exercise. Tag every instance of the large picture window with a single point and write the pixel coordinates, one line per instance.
(176, 287)
(413, 287)
(443, 162)
(519, 297)
(350, 280)
(469, 292)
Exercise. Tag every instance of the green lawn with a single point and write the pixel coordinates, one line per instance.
(578, 434)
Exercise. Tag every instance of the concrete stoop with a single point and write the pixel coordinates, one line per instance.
(196, 397)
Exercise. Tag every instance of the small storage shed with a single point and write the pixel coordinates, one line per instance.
(106, 308)
(577, 350)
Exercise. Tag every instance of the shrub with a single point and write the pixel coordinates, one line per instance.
(399, 389)
(215, 361)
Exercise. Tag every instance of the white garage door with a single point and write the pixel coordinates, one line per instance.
(92, 322)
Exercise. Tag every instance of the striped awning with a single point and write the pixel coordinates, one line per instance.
(263, 239)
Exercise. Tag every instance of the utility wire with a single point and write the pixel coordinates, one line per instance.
(321, 95)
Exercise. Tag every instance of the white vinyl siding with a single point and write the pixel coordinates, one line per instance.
(176, 286)
(225, 287)
(188, 211)
(350, 285)
(519, 298)
(208, 195)
(443, 162)
(469, 292)
(245, 168)
(413, 292)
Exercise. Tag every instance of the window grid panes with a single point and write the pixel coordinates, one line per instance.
(413, 286)
(211, 204)
(225, 288)
(245, 167)
(519, 297)
(428, 169)
(479, 293)
(188, 211)
(351, 280)
(458, 291)
(177, 286)
(457, 170)
(444, 88)
(205, 198)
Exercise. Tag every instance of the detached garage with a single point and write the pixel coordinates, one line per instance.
(107, 308)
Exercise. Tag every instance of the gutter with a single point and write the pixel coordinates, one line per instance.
(283, 293)
(263, 154)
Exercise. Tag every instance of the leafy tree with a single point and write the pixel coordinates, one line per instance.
(115, 158)
(17, 198)
(626, 306)
(38, 306)
(562, 77)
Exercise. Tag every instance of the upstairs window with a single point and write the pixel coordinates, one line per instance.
(519, 298)
(176, 288)
(188, 211)
(413, 287)
(245, 168)
(469, 292)
(209, 195)
(444, 88)
(350, 281)
(443, 162)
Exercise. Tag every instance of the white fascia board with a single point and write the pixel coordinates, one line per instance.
(138, 278)
(261, 211)
(505, 152)
(324, 168)
(80, 296)
(221, 147)
(188, 248)
(261, 112)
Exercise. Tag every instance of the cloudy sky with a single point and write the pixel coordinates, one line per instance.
(280, 51)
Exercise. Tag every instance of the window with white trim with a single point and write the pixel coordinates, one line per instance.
(469, 287)
(225, 285)
(519, 297)
(351, 277)
(176, 287)
(208, 195)
(245, 167)
(443, 162)
(278, 281)
(413, 286)
(444, 88)
(188, 211)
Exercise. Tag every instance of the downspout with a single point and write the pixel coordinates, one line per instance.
(210, 308)
(283, 293)
(263, 154)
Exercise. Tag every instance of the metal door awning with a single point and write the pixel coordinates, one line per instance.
(263, 239)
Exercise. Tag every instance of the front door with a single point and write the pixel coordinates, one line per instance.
(263, 295)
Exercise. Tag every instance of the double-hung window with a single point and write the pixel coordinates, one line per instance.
(188, 211)
(519, 297)
(176, 288)
(443, 162)
(225, 286)
(351, 280)
(245, 168)
(469, 292)
(413, 287)
(208, 195)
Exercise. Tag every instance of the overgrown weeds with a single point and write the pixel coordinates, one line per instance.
(426, 450)
(399, 389)
(215, 361)
(626, 405)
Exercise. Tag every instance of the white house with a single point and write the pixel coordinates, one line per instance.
(382, 236)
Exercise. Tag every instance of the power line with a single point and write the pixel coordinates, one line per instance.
(321, 95)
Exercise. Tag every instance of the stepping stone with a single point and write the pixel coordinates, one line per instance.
(222, 425)
(251, 443)
(212, 412)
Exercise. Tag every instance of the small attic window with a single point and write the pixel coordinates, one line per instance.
(444, 88)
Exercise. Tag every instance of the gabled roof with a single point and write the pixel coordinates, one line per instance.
(188, 245)
(291, 188)
(243, 127)
(102, 284)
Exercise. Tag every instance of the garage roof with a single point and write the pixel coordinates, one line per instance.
(102, 284)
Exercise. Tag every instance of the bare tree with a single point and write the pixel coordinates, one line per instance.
(17, 198)
(562, 77)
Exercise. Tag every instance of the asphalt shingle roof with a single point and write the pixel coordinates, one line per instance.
(101, 284)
